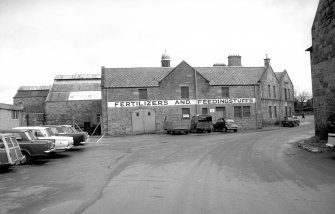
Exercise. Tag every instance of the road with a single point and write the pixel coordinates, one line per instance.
(245, 172)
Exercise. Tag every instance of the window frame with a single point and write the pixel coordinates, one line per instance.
(140, 94)
(183, 92)
(184, 114)
(225, 92)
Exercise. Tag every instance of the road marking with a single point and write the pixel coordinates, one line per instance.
(100, 138)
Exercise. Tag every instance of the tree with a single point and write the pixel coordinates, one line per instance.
(301, 97)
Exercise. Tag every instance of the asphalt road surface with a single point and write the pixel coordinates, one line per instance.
(244, 172)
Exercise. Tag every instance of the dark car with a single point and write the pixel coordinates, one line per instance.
(30, 146)
(201, 122)
(225, 125)
(290, 121)
(79, 138)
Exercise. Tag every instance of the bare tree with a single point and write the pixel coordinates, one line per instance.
(302, 96)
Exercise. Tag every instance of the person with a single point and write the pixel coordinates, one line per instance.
(303, 115)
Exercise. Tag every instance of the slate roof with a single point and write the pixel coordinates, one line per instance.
(279, 75)
(63, 85)
(32, 91)
(135, 77)
(150, 77)
(231, 75)
(10, 107)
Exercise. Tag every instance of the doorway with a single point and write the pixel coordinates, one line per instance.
(143, 121)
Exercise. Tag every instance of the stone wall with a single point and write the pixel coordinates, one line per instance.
(68, 111)
(323, 65)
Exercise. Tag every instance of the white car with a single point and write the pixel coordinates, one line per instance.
(62, 143)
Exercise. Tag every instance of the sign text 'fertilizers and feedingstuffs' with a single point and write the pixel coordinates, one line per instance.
(158, 103)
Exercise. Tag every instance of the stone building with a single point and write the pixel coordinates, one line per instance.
(32, 98)
(75, 99)
(322, 57)
(136, 100)
(10, 116)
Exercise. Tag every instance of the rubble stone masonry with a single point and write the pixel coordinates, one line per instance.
(323, 65)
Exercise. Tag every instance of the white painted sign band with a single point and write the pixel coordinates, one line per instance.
(85, 95)
(158, 103)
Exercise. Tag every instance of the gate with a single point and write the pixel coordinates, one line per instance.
(143, 121)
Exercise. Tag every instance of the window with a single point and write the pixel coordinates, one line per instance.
(225, 91)
(289, 94)
(185, 113)
(289, 111)
(204, 111)
(275, 110)
(15, 114)
(221, 111)
(270, 111)
(238, 111)
(246, 111)
(269, 90)
(142, 94)
(285, 92)
(184, 92)
(285, 110)
(274, 92)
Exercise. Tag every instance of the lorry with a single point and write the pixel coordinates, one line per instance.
(176, 124)
(201, 123)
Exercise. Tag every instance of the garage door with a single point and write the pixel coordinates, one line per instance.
(143, 121)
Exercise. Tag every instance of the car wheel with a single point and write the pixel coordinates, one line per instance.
(209, 131)
(225, 129)
(235, 130)
(186, 132)
(28, 158)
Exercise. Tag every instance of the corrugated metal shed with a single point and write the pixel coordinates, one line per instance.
(63, 85)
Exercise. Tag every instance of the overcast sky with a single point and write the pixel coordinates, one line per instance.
(42, 38)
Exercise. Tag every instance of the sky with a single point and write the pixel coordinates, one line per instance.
(42, 38)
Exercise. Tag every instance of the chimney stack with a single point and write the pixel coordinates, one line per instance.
(234, 60)
(267, 61)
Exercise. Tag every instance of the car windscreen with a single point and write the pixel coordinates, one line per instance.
(31, 135)
(2, 145)
(204, 118)
(61, 130)
(49, 132)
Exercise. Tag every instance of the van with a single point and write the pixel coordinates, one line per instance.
(201, 123)
(175, 123)
(10, 151)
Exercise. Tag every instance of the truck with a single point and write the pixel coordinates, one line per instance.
(176, 124)
(201, 123)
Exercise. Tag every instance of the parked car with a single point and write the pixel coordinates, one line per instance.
(10, 151)
(201, 122)
(175, 123)
(70, 129)
(79, 139)
(290, 121)
(31, 147)
(225, 125)
(62, 143)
